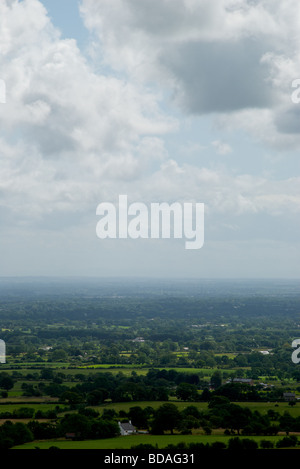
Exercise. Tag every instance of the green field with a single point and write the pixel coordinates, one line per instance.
(29, 367)
(160, 442)
(38, 403)
(261, 407)
(35, 406)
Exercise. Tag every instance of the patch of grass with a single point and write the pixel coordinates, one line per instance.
(15, 406)
(159, 441)
(125, 406)
(261, 407)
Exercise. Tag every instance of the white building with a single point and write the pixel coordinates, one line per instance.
(127, 428)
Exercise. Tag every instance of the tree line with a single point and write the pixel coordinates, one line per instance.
(86, 423)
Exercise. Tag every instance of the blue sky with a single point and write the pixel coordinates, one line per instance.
(186, 101)
(66, 17)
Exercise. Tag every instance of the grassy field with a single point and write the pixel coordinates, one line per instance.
(9, 405)
(36, 406)
(261, 407)
(15, 400)
(160, 442)
(29, 367)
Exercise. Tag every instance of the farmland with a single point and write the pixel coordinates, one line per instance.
(129, 442)
(96, 350)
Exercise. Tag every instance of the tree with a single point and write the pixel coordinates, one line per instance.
(266, 444)
(242, 444)
(206, 395)
(95, 397)
(6, 382)
(47, 374)
(287, 442)
(286, 422)
(103, 429)
(187, 392)
(236, 417)
(78, 424)
(217, 401)
(138, 417)
(167, 417)
(191, 411)
(72, 397)
(58, 355)
(42, 431)
(14, 434)
(216, 379)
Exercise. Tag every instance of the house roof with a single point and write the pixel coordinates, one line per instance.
(242, 380)
(127, 426)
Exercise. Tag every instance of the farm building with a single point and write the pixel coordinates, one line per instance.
(127, 428)
(289, 396)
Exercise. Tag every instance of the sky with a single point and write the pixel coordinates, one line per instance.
(165, 101)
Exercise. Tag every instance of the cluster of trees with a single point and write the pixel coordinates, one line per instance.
(78, 425)
(87, 423)
(157, 385)
(105, 344)
(221, 413)
(6, 383)
(13, 434)
(235, 444)
(29, 413)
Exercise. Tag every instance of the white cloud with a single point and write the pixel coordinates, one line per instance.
(222, 148)
(71, 133)
(77, 131)
(226, 57)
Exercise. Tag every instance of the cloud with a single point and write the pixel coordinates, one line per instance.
(221, 147)
(219, 77)
(79, 130)
(226, 57)
(68, 134)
